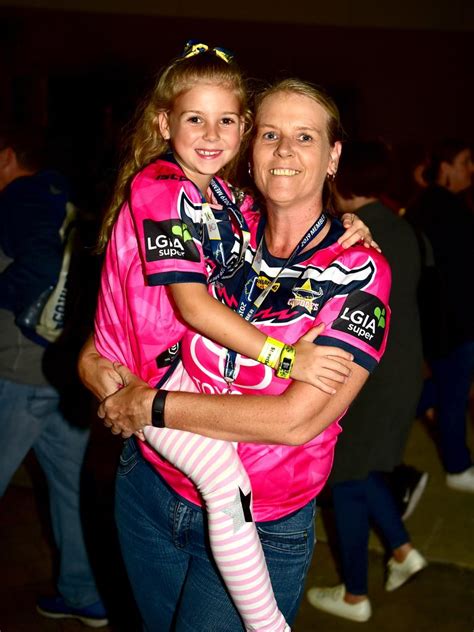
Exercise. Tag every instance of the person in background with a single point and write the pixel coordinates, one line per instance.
(32, 210)
(376, 427)
(448, 309)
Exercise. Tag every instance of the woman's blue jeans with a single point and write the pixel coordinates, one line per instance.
(166, 551)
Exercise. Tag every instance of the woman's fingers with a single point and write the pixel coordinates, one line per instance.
(129, 409)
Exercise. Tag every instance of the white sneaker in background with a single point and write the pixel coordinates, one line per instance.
(400, 572)
(463, 482)
(331, 600)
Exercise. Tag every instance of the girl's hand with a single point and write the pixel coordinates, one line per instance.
(356, 231)
(320, 365)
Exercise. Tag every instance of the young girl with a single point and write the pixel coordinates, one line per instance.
(173, 228)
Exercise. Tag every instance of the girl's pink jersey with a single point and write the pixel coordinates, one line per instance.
(158, 239)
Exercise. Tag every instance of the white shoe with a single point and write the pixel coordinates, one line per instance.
(400, 572)
(464, 481)
(332, 600)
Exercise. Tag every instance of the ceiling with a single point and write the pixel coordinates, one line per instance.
(453, 15)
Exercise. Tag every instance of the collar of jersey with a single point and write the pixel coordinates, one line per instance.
(175, 167)
(335, 231)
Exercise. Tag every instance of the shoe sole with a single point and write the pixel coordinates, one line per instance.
(92, 623)
(416, 496)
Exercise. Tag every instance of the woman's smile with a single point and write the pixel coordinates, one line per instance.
(285, 172)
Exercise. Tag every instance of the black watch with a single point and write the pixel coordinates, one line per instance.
(158, 409)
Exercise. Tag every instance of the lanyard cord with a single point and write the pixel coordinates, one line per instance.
(216, 244)
(248, 308)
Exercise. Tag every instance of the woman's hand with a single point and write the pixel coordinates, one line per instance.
(319, 365)
(128, 411)
(356, 231)
(97, 373)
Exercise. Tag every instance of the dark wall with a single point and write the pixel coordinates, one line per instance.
(401, 84)
(75, 71)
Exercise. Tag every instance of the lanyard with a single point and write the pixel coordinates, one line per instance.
(216, 244)
(248, 307)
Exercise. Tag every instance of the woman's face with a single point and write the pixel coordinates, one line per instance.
(291, 151)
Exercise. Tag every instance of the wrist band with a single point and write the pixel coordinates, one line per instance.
(271, 351)
(158, 409)
(287, 360)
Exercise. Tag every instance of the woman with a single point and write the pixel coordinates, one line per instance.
(307, 277)
(447, 311)
(376, 426)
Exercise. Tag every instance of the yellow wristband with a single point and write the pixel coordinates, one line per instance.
(270, 353)
(287, 360)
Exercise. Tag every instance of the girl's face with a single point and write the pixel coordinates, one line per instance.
(204, 128)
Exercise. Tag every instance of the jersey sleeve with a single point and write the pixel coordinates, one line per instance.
(357, 315)
(111, 326)
(167, 213)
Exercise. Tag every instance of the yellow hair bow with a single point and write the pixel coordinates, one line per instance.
(193, 47)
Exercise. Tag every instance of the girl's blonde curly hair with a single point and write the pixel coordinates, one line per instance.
(145, 142)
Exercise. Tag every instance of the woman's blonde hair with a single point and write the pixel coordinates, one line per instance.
(145, 142)
(335, 131)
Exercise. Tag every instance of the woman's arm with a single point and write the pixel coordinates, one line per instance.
(292, 418)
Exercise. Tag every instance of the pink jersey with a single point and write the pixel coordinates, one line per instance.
(158, 239)
(348, 290)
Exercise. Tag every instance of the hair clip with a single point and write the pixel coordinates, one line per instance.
(193, 47)
(223, 53)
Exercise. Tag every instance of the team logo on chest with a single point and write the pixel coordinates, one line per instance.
(305, 296)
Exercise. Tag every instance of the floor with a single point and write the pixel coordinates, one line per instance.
(441, 598)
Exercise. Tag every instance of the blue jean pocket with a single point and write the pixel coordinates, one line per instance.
(128, 458)
(291, 533)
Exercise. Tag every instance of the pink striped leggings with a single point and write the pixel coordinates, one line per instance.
(215, 468)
